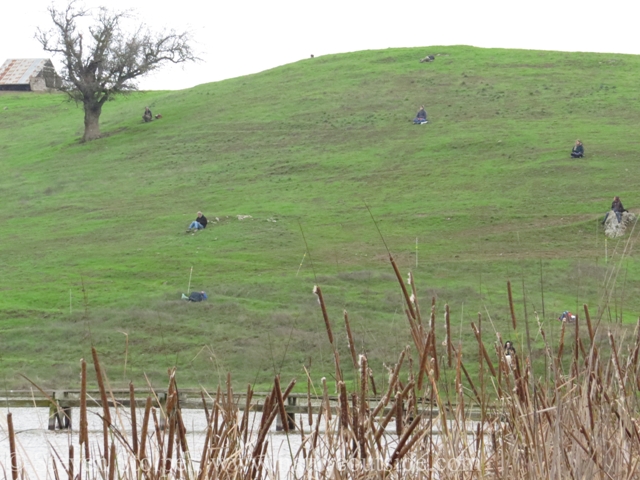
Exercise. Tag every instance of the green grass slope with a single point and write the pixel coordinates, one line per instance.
(93, 249)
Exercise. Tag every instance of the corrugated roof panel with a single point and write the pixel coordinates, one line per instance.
(17, 71)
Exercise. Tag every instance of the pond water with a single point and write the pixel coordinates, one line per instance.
(36, 446)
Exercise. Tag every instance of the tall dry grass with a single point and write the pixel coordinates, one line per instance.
(578, 421)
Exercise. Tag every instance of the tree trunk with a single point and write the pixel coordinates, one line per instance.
(92, 111)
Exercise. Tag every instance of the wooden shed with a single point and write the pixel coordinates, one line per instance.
(29, 74)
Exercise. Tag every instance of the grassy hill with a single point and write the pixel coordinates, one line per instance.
(93, 247)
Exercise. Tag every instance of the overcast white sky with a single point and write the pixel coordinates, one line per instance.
(238, 37)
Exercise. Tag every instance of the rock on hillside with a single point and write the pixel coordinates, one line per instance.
(613, 229)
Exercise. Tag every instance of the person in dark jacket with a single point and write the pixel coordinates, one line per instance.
(198, 224)
(421, 116)
(578, 150)
(148, 116)
(195, 296)
(617, 208)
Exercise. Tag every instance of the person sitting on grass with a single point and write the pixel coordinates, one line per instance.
(148, 116)
(198, 224)
(578, 150)
(195, 296)
(617, 208)
(421, 116)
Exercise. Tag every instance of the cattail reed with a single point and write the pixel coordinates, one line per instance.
(412, 313)
(309, 409)
(84, 433)
(142, 450)
(327, 324)
(134, 425)
(511, 308)
(352, 347)
(70, 465)
(12, 447)
(281, 410)
(447, 324)
(106, 419)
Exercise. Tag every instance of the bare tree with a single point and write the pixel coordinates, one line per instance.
(107, 60)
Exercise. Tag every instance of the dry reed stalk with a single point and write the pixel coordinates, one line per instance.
(182, 433)
(511, 308)
(397, 455)
(316, 432)
(560, 347)
(230, 401)
(458, 384)
(106, 419)
(327, 324)
(399, 414)
(424, 360)
(466, 374)
(70, 468)
(415, 331)
(309, 410)
(134, 425)
(84, 431)
(385, 421)
(373, 383)
(616, 361)
(55, 469)
(447, 324)
(392, 384)
(364, 370)
(633, 359)
(113, 462)
(12, 447)
(355, 417)
(303, 440)
(344, 406)
(205, 407)
(260, 441)
(325, 399)
(283, 414)
(159, 442)
(576, 349)
(216, 409)
(142, 450)
(414, 299)
(352, 348)
(170, 440)
(434, 353)
(588, 319)
(204, 457)
(244, 426)
(260, 445)
(483, 350)
(407, 300)
(432, 316)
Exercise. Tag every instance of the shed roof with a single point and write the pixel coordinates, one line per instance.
(17, 71)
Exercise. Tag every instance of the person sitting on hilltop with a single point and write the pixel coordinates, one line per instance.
(617, 208)
(578, 150)
(421, 116)
(198, 224)
(148, 116)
